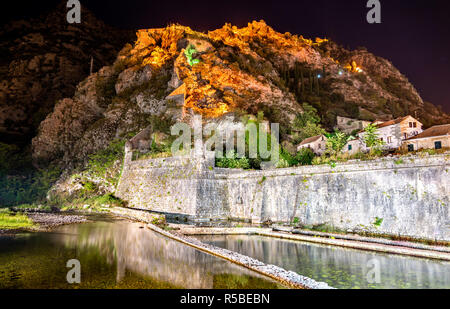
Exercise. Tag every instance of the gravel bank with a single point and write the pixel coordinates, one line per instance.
(49, 220)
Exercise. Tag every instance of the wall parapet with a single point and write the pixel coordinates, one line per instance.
(345, 167)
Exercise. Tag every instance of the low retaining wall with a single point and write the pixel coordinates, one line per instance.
(407, 197)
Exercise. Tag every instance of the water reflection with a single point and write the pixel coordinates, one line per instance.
(339, 267)
(116, 254)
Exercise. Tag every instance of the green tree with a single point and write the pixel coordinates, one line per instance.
(305, 156)
(307, 124)
(310, 130)
(309, 114)
(336, 142)
(371, 138)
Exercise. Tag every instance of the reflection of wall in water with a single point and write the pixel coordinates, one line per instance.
(293, 255)
(147, 253)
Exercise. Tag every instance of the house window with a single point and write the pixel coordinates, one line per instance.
(350, 147)
(410, 124)
(389, 139)
(381, 139)
(410, 147)
(405, 135)
(438, 145)
(415, 125)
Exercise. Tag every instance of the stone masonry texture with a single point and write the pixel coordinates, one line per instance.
(407, 197)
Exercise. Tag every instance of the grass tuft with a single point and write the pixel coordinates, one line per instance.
(10, 220)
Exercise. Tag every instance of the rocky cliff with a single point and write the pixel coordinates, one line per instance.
(42, 60)
(229, 71)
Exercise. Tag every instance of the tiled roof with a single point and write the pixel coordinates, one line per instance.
(310, 140)
(434, 131)
(392, 122)
(389, 123)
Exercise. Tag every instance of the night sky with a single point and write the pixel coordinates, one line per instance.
(414, 34)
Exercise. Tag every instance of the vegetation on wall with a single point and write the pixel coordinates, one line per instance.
(233, 161)
(100, 163)
(95, 182)
(304, 156)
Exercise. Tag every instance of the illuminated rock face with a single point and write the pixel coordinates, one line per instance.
(216, 83)
(244, 69)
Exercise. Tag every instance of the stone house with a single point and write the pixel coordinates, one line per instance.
(349, 125)
(317, 144)
(437, 137)
(354, 146)
(394, 132)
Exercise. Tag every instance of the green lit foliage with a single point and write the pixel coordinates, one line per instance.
(94, 202)
(336, 142)
(162, 149)
(10, 220)
(378, 222)
(103, 200)
(189, 53)
(305, 156)
(255, 163)
(232, 161)
(100, 164)
(307, 124)
(309, 115)
(249, 163)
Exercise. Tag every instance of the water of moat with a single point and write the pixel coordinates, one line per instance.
(116, 254)
(340, 267)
